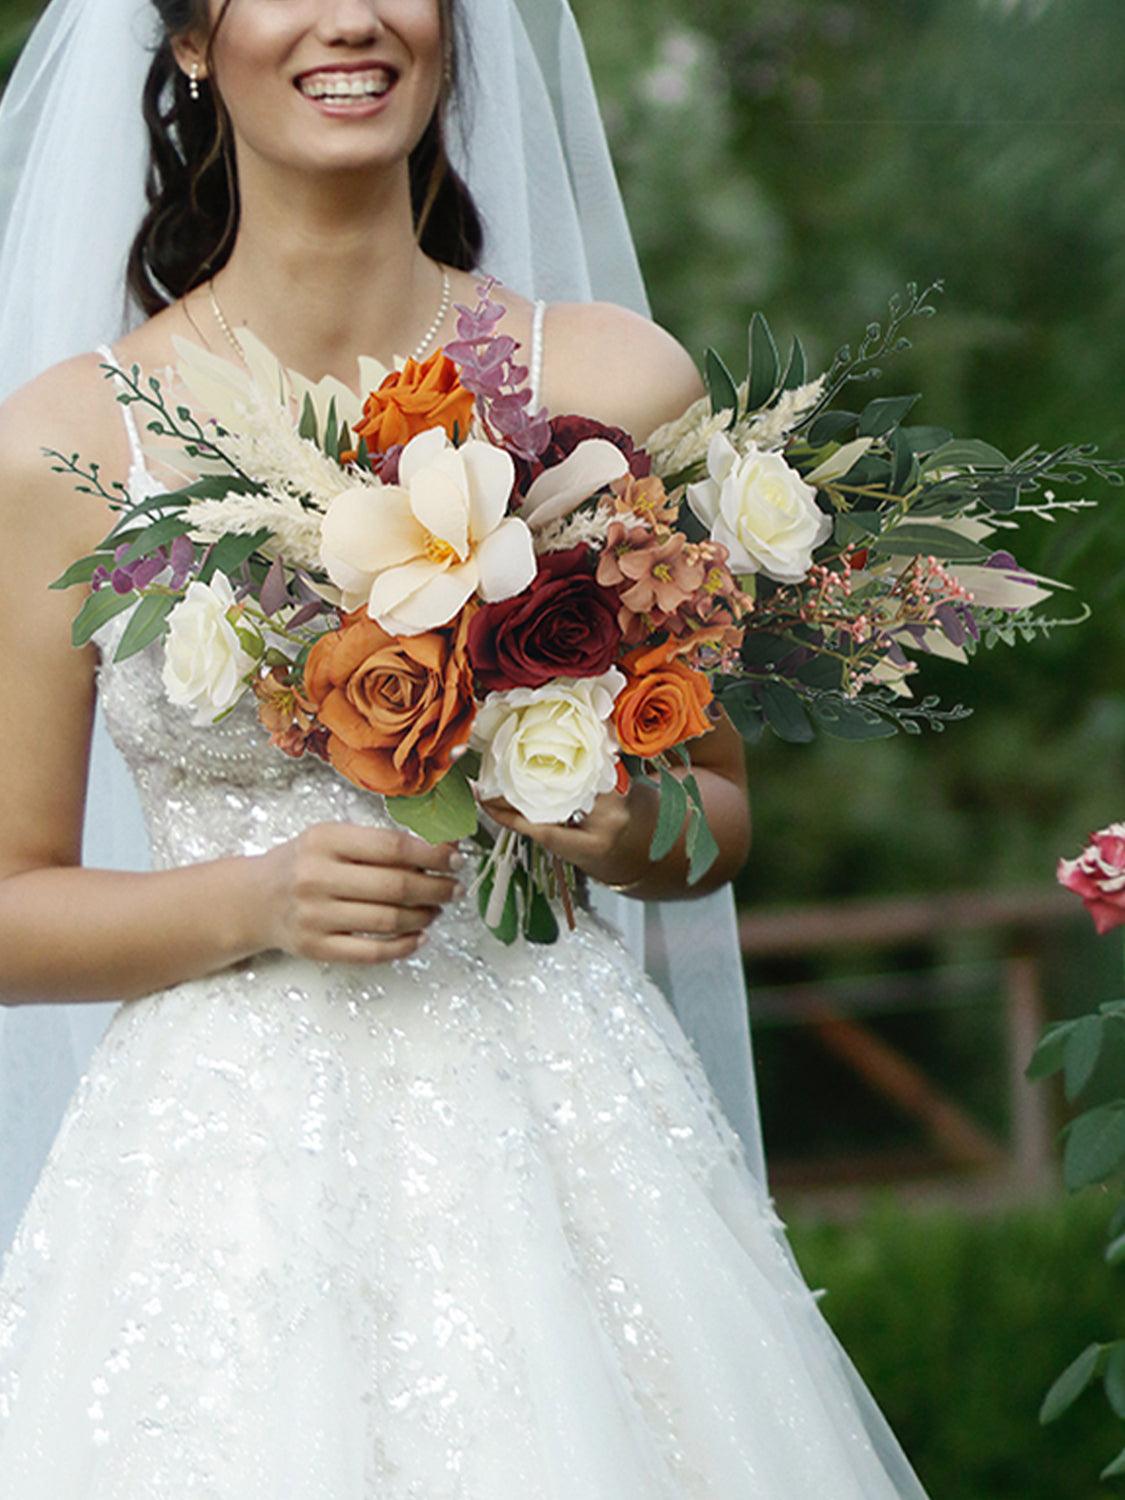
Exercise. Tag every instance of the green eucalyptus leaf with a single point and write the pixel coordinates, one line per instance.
(785, 713)
(702, 850)
(960, 453)
(797, 370)
(145, 624)
(745, 712)
(157, 535)
(926, 439)
(1115, 1251)
(541, 925)
(448, 811)
(231, 551)
(97, 609)
(884, 413)
(903, 460)
(764, 363)
(850, 721)
(720, 384)
(930, 541)
(1115, 1469)
(82, 570)
(829, 427)
(670, 817)
(307, 427)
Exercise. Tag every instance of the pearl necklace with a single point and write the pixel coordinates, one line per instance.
(446, 294)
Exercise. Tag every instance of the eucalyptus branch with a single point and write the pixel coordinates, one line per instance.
(191, 434)
(93, 485)
(877, 343)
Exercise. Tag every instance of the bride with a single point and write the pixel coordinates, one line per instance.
(351, 1201)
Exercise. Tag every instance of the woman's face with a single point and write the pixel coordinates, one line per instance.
(328, 85)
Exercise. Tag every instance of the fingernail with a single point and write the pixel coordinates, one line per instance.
(456, 860)
(423, 937)
(458, 889)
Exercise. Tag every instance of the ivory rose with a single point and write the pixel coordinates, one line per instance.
(663, 702)
(1098, 876)
(395, 708)
(414, 552)
(204, 661)
(761, 509)
(549, 750)
(417, 397)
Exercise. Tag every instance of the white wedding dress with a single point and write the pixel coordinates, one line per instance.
(466, 1226)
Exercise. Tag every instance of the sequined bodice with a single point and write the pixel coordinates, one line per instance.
(217, 789)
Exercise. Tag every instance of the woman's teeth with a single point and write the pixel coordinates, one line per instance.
(344, 86)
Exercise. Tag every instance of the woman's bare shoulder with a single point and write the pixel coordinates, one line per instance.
(609, 362)
(69, 410)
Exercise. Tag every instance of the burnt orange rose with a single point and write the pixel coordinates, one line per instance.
(662, 703)
(395, 707)
(413, 399)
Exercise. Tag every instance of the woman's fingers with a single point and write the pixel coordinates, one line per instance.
(373, 917)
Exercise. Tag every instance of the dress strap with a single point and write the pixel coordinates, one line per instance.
(135, 450)
(536, 375)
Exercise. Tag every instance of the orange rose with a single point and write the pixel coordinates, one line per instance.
(662, 703)
(395, 706)
(413, 399)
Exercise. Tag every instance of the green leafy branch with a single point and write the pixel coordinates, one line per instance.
(1084, 1050)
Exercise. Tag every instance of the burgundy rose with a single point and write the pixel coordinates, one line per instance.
(566, 434)
(563, 625)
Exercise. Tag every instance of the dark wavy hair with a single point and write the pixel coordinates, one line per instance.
(189, 229)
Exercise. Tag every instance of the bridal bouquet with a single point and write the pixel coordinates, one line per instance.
(437, 588)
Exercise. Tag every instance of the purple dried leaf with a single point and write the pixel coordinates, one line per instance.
(122, 580)
(275, 592)
(306, 613)
(950, 622)
(147, 570)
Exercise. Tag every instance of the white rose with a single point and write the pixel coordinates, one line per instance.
(761, 509)
(204, 661)
(549, 750)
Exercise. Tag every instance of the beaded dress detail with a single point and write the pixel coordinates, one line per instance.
(465, 1226)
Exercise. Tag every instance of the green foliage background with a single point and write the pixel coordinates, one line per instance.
(808, 157)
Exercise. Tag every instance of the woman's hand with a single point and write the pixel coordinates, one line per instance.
(343, 893)
(610, 842)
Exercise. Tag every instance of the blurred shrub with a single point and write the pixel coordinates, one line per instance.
(959, 1326)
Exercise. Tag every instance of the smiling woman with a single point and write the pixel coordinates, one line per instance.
(353, 1199)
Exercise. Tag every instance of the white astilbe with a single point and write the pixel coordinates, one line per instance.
(681, 443)
(583, 526)
(268, 447)
(295, 531)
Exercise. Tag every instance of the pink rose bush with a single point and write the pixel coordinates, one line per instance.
(1098, 876)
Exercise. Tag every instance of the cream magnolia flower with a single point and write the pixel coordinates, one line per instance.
(415, 552)
(204, 661)
(761, 510)
(549, 750)
(556, 492)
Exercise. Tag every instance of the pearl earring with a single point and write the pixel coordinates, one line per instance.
(193, 84)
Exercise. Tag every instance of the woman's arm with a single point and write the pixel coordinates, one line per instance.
(609, 363)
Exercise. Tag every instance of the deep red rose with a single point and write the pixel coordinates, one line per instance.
(563, 625)
(566, 434)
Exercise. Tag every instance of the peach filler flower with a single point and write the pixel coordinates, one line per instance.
(395, 708)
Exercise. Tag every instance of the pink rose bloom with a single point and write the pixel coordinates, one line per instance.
(1098, 876)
